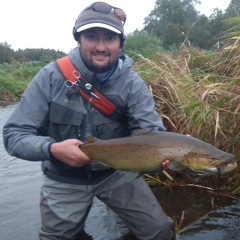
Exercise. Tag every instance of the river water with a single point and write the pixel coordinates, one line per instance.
(20, 183)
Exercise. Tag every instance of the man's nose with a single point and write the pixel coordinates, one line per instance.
(101, 45)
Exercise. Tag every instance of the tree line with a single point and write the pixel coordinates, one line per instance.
(170, 24)
(8, 55)
(174, 22)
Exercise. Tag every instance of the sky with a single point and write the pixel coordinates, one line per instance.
(48, 23)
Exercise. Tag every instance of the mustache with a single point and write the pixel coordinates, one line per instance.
(101, 53)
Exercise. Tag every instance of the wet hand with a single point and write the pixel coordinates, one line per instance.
(69, 153)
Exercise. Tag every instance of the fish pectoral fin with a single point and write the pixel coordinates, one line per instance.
(175, 166)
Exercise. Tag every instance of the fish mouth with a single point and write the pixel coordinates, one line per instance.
(227, 166)
(224, 167)
(221, 168)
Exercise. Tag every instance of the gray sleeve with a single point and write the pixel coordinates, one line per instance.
(21, 132)
(141, 109)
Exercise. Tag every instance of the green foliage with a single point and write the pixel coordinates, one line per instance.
(200, 33)
(15, 77)
(233, 9)
(46, 55)
(170, 19)
(8, 55)
(17, 68)
(141, 42)
(217, 24)
(176, 21)
(174, 36)
(234, 28)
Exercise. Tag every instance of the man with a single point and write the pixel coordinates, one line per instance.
(53, 119)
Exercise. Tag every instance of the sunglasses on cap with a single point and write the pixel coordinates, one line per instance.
(105, 8)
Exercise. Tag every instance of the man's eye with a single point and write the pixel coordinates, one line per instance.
(90, 36)
(111, 38)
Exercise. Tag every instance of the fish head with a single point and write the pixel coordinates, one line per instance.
(210, 162)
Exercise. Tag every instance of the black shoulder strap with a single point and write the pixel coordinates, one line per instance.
(86, 90)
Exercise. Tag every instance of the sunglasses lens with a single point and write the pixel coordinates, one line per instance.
(105, 8)
(102, 7)
(120, 14)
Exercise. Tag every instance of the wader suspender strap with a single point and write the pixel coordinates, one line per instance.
(85, 89)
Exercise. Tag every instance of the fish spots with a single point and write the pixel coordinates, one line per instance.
(142, 152)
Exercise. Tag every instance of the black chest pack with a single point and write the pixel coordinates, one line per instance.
(87, 91)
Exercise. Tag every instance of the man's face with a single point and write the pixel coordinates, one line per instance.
(99, 49)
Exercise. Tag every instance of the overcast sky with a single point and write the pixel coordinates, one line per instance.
(48, 23)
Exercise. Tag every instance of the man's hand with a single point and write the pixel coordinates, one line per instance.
(69, 153)
(165, 164)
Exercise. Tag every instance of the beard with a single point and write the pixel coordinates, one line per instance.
(94, 67)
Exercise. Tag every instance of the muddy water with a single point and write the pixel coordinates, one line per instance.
(20, 181)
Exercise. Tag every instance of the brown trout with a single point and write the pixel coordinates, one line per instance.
(145, 152)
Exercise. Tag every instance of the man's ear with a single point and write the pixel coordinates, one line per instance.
(122, 40)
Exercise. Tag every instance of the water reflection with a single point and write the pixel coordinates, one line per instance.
(220, 224)
(20, 217)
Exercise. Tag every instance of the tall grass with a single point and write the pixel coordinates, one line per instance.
(15, 77)
(198, 93)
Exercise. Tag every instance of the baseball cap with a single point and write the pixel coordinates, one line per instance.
(100, 14)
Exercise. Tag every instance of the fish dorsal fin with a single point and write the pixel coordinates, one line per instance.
(91, 139)
(141, 132)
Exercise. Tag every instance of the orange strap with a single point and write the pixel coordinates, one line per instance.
(91, 95)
